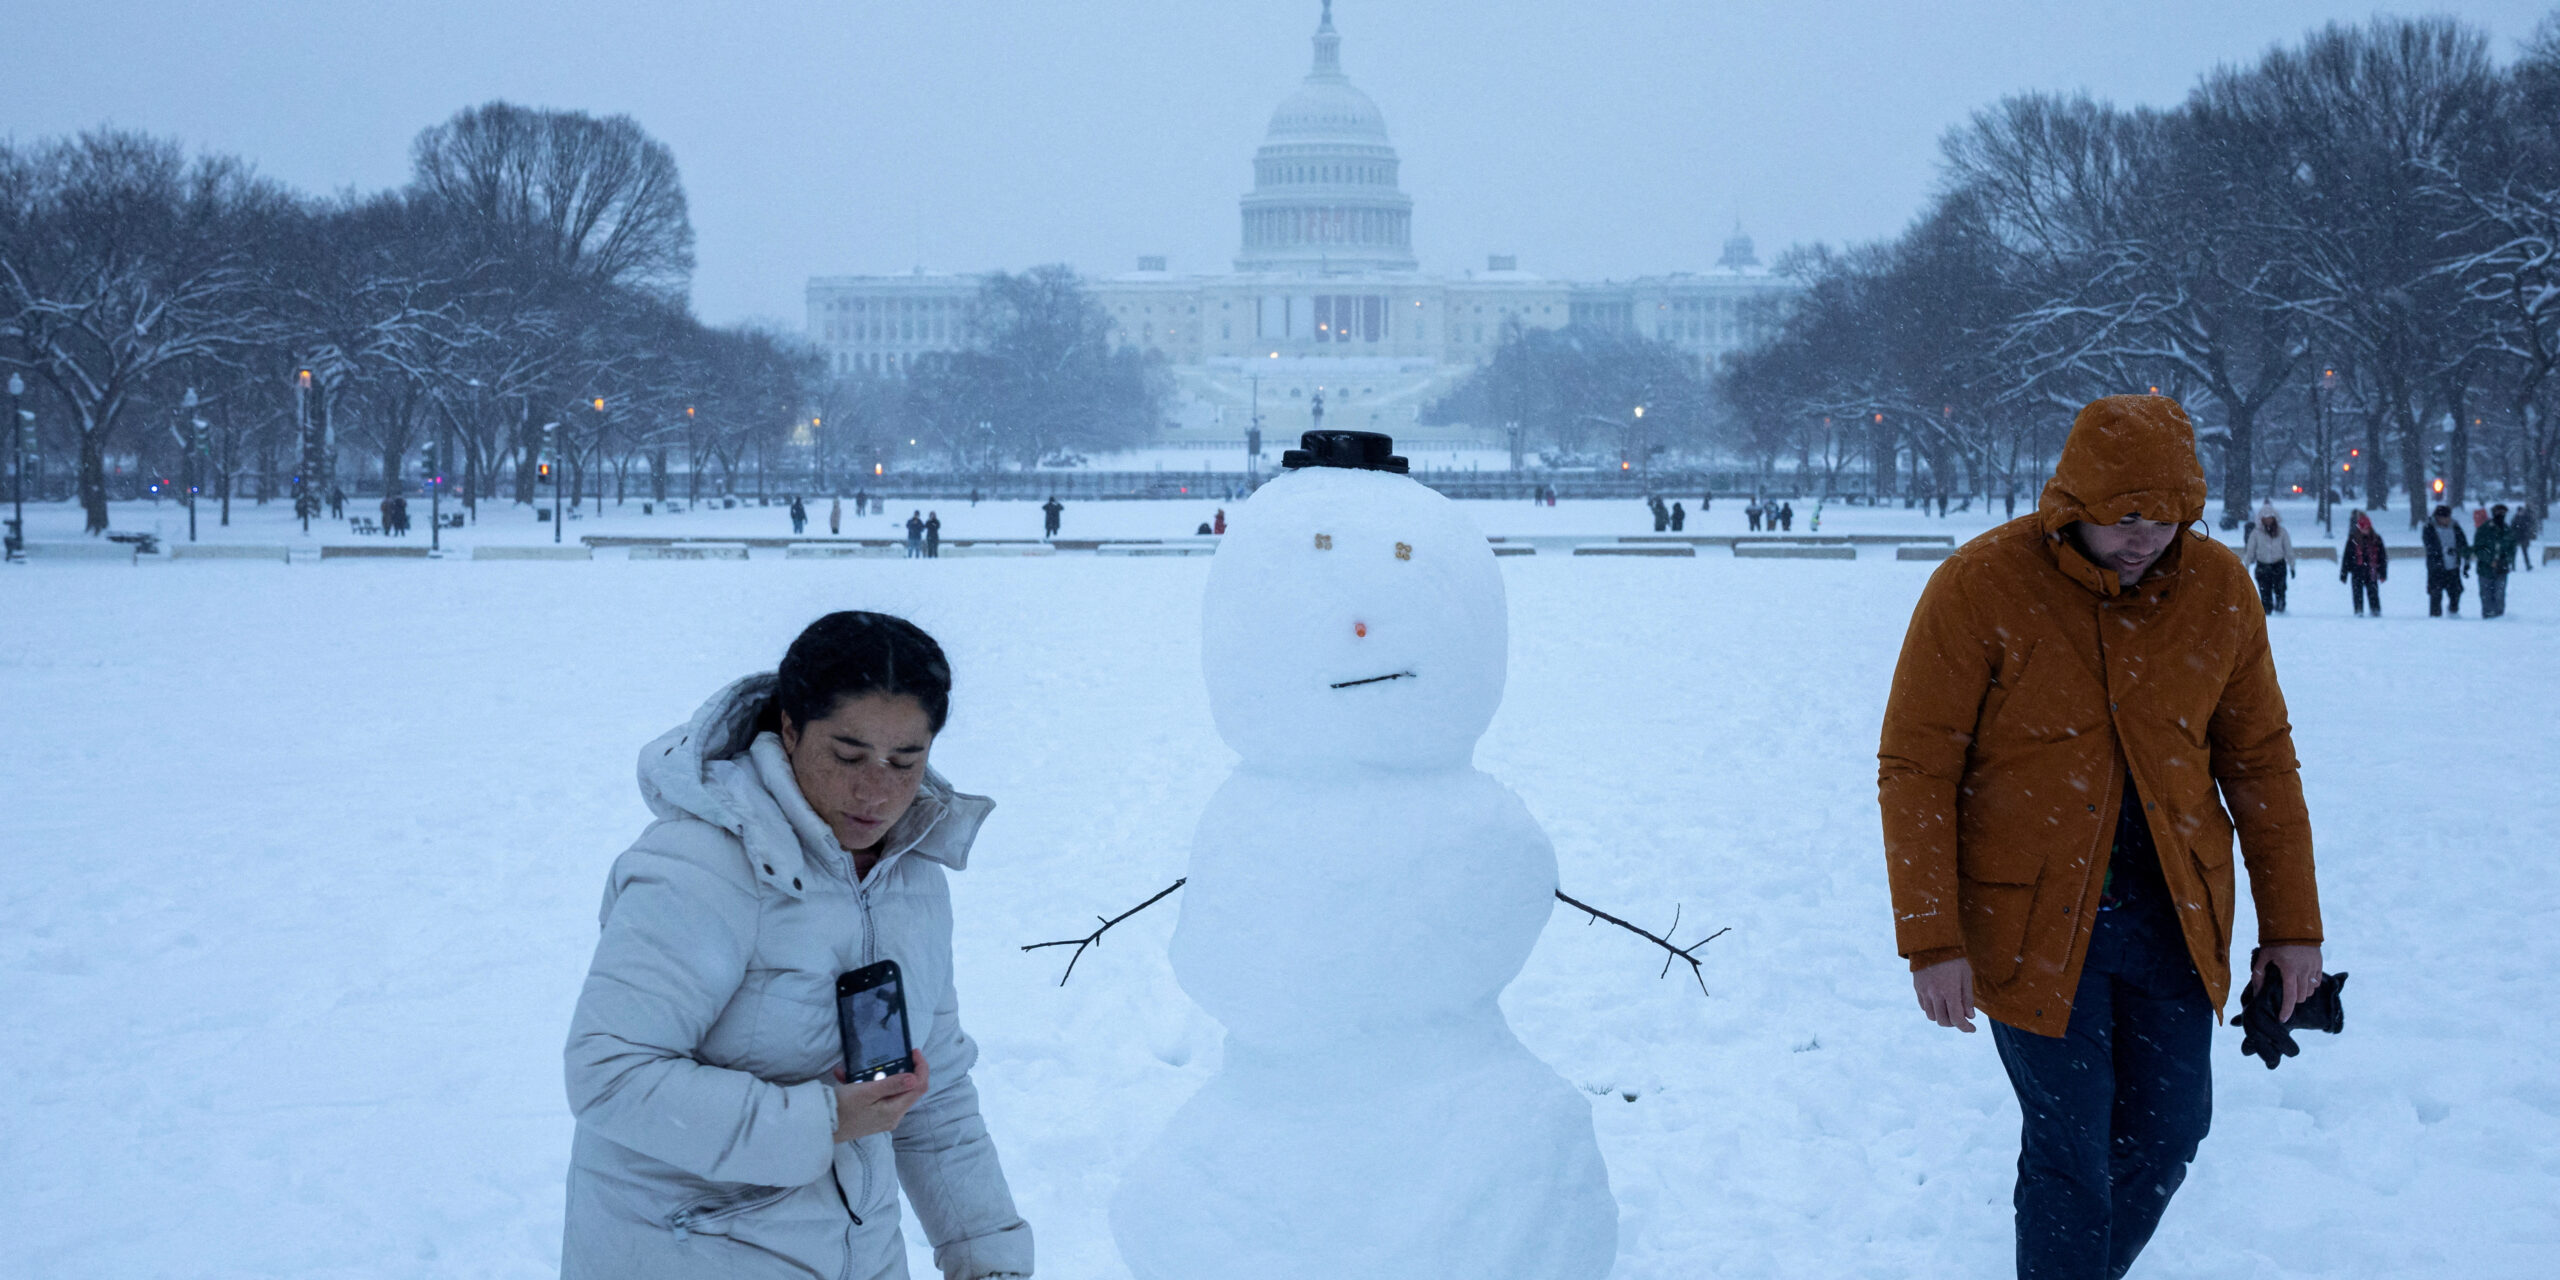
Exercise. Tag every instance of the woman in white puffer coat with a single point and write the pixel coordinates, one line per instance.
(799, 835)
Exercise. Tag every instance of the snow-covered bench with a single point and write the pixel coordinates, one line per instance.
(579, 552)
(693, 551)
(1801, 551)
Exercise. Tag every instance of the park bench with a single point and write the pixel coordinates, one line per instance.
(1504, 549)
(143, 543)
(362, 524)
(1922, 551)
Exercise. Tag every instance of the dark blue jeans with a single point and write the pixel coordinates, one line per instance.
(2116, 1105)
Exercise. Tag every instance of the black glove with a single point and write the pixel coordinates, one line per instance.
(2262, 1035)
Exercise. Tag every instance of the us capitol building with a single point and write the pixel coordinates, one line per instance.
(1326, 297)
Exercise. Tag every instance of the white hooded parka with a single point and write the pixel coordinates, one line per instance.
(699, 1060)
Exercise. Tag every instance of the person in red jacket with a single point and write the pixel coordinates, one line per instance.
(2364, 564)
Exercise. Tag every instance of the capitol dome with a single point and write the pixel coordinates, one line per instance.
(1325, 196)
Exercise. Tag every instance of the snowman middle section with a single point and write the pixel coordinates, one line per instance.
(1374, 1115)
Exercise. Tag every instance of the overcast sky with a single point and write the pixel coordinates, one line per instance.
(1592, 138)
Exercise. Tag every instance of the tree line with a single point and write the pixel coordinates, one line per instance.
(2344, 259)
(517, 309)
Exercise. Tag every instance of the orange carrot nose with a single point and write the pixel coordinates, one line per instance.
(1360, 629)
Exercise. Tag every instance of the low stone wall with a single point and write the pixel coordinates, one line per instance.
(693, 551)
(1927, 553)
(122, 551)
(580, 552)
(373, 553)
(1636, 549)
(1783, 551)
(230, 551)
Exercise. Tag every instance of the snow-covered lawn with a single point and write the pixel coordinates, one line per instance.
(298, 871)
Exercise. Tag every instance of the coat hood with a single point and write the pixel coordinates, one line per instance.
(2126, 455)
(719, 768)
(2267, 511)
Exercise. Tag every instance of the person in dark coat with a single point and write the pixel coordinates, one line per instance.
(1787, 516)
(1661, 513)
(915, 535)
(1049, 512)
(799, 515)
(1679, 518)
(1218, 523)
(2525, 526)
(2493, 556)
(1752, 514)
(2363, 564)
(932, 535)
(337, 503)
(2448, 560)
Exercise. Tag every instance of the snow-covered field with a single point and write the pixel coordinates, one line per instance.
(299, 865)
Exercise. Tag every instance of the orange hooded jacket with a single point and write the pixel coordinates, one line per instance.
(2031, 682)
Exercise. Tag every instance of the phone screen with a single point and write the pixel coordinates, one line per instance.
(874, 1022)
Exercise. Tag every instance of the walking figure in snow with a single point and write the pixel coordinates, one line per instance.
(2493, 556)
(1359, 893)
(2448, 561)
(2083, 715)
(2363, 563)
(1049, 513)
(2269, 550)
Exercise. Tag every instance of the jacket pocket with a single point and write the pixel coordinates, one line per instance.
(711, 1215)
(2212, 857)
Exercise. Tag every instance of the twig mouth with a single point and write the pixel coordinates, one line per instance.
(1397, 675)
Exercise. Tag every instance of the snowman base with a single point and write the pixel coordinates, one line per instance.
(1455, 1154)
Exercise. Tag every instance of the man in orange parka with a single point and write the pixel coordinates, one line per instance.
(2084, 712)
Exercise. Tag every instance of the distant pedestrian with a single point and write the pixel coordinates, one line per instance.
(1218, 523)
(835, 516)
(2525, 526)
(973, 497)
(337, 503)
(861, 502)
(2268, 551)
(1787, 516)
(799, 515)
(1049, 513)
(915, 535)
(1679, 517)
(1202, 531)
(1661, 513)
(932, 536)
(1752, 513)
(2448, 560)
(2363, 564)
(2493, 556)
(389, 522)
(1706, 502)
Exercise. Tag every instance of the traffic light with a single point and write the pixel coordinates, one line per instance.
(427, 459)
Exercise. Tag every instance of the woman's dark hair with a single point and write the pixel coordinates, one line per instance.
(850, 654)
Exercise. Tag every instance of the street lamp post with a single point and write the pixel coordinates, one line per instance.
(551, 452)
(303, 498)
(430, 458)
(1253, 437)
(195, 450)
(22, 443)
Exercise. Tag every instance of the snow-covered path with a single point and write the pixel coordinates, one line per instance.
(298, 869)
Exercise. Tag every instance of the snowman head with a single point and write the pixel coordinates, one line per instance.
(1354, 620)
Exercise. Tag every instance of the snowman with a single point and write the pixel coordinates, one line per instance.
(1358, 897)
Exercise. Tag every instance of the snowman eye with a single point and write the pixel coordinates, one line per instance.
(1324, 542)
(1404, 551)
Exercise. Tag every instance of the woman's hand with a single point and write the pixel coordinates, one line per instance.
(877, 1106)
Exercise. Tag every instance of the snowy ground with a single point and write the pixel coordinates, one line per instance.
(298, 871)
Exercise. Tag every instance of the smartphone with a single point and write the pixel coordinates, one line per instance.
(871, 1015)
